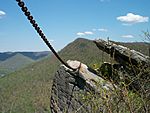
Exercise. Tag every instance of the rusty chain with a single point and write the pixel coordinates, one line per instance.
(40, 32)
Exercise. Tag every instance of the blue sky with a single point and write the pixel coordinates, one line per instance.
(64, 20)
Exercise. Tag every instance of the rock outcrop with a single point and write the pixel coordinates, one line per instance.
(123, 55)
(68, 85)
(132, 64)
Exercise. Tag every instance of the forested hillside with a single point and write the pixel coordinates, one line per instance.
(28, 90)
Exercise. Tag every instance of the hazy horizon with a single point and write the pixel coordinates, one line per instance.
(63, 47)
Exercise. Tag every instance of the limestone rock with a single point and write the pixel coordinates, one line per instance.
(67, 84)
(123, 55)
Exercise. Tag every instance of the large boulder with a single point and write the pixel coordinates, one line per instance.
(68, 85)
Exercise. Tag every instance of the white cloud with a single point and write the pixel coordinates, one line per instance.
(85, 33)
(80, 34)
(131, 18)
(88, 33)
(127, 36)
(2, 13)
(102, 30)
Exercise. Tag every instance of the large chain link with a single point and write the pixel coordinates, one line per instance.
(39, 31)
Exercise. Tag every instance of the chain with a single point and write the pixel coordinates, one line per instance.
(40, 32)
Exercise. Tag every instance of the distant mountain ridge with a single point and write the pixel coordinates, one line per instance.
(15, 61)
(32, 55)
(33, 82)
(12, 61)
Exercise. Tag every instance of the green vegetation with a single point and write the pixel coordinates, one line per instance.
(85, 51)
(123, 98)
(142, 47)
(132, 94)
(13, 63)
(28, 90)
